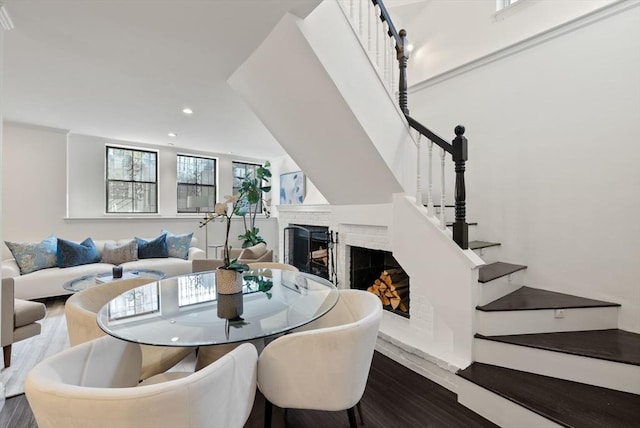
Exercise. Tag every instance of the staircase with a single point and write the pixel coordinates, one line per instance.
(547, 359)
(541, 359)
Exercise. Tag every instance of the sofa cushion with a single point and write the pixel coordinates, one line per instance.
(156, 248)
(254, 252)
(26, 312)
(72, 254)
(31, 257)
(178, 245)
(118, 254)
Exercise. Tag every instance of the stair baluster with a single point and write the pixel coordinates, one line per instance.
(369, 13)
(360, 22)
(430, 183)
(418, 176)
(443, 224)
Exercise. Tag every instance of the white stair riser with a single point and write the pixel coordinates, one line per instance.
(489, 254)
(493, 290)
(544, 321)
(592, 371)
(498, 410)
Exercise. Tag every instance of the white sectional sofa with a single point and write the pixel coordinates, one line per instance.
(49, 282)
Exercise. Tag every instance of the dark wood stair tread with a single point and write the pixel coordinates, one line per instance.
(492, 271)
(611, 345)
(570, 404)
(527, 298)
(476, 245)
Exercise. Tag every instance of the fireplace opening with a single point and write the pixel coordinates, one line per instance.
(308, 249)
(380, 273)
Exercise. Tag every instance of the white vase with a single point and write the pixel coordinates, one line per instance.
(228, 281)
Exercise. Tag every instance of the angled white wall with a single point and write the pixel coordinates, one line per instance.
(291, 91)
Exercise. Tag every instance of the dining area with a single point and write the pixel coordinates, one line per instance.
(291, 338)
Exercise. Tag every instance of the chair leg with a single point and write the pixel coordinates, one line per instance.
(268, 409)
(352, 418)
(359, 407)
(7, 355)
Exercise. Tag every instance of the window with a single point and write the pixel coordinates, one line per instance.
(240, 171)
(196, 178)
(132, 185)
(501, 4)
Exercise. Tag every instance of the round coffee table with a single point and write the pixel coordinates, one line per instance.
(79, 284)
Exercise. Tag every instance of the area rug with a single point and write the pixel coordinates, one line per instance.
(29, 352)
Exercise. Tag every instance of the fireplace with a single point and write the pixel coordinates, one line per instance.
(378, 271)
(308, 248)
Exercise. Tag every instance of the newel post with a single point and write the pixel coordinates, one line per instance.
(402, 54)
(460, 226)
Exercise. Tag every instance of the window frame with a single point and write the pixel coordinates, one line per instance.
(198, 184)
(108, 180)
(234, 189)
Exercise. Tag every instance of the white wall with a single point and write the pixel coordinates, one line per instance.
(34, 191)
(284, 165)
(447, 34)
(552, 171)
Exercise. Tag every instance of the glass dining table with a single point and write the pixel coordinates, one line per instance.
(186, 310)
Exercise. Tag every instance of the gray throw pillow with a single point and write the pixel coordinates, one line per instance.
(118, 254)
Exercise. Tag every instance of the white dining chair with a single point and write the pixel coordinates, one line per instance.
(95, 384)
(81, 311)
(324, 365)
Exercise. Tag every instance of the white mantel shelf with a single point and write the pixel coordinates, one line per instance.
(317, 208)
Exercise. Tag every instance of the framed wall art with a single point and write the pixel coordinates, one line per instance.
(292, 188)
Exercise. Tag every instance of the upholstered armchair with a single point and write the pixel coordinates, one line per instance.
(324, 365)
(257, 254)
(19, 319)
(81, 311)
(95, 384)
(272, 265)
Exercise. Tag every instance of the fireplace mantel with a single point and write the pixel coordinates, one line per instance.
(319, 208)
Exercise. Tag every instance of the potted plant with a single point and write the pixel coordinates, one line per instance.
(229, 275)
(251, 201)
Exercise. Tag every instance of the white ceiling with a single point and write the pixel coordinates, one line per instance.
(124, 69)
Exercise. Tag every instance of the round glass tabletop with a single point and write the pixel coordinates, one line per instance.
(79, 284)
(186, 310)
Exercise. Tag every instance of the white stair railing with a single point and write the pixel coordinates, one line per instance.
(373, 36)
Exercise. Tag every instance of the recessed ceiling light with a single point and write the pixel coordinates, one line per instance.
(187, 110)
(172, 134)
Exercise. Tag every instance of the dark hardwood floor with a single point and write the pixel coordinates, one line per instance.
(395, 397)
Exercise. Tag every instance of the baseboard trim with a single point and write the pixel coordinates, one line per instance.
(422, 363)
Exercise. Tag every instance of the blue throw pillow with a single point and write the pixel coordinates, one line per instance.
(31, 257)
(178, 245)
(72, 254)
(156, 248)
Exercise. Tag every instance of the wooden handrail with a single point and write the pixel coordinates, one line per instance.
(429, 134)
(384, 17)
